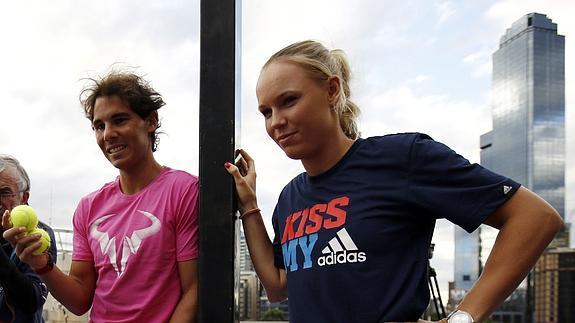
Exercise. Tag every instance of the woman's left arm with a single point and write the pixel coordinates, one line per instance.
(526, 224)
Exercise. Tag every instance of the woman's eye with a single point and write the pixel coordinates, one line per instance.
(290, 100)
(266, 113)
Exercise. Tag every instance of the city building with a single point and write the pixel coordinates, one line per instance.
(527, 142)
(249, 296)
(245, 261)
(555, 286)
(466, 263)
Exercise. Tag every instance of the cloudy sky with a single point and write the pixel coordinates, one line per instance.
(418, 65)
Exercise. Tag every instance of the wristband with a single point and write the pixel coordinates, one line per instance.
(246, 213)
(48, 268)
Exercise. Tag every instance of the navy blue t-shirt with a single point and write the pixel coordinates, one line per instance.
(354, 240)
(10, 312)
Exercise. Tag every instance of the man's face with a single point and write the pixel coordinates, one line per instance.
(10, 194)
(122, 135)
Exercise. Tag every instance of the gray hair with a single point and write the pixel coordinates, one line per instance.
(24, 182)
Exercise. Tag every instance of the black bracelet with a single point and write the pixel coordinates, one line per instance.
(48, 268)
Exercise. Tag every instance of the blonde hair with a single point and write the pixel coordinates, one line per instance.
(318, 60)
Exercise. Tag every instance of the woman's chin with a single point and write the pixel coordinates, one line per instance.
(293, 154)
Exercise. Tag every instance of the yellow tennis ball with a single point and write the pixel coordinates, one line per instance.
(24, 216)
(44, 239)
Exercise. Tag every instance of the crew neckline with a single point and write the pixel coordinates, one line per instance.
(339, 163)
(124, 195)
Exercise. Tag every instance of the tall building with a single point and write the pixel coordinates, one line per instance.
(248, 284)
(249, 296)
(527, 142)
(466, 264)
(555, 286)
(245, 261)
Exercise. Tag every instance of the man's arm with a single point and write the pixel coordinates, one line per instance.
(76, 290)
(23, 290)
(526, 225)
(187, 308)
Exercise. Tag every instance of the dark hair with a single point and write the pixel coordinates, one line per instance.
(132, 89)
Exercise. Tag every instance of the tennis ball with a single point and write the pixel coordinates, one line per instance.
(24, 216)
(44, 239)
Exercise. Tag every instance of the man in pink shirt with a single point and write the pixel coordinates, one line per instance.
(135, 239)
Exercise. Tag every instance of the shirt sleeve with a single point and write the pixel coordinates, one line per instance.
(81, 248)
(443, 184)
(187, 223)
(21, 286)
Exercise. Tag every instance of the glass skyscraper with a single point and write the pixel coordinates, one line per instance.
(527, 142)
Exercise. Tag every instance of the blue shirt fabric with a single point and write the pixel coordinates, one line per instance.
(354, 240)
(10, 312)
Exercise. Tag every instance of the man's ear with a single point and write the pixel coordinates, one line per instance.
(153, 121)
(25, 197)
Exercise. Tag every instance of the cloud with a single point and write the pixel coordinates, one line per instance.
(422, 78)
(480, 61)
(445, 11)
(457, 124)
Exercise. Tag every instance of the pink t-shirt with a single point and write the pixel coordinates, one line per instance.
(135, 242)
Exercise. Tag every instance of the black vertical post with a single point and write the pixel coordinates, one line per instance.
(217, 225)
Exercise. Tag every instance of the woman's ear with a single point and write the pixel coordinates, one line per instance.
(333, 89)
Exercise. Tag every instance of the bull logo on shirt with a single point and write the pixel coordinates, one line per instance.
(130, 245)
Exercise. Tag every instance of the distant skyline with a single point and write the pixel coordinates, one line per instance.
(417, 65)
(527, 141)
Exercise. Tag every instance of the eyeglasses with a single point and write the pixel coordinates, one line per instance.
(8, 195)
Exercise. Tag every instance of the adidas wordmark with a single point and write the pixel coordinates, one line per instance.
(341, 251)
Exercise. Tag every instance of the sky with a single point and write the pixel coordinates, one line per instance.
(417, 65)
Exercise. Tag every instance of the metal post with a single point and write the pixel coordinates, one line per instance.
(218, 123)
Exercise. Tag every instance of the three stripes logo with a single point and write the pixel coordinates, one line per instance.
(341, 250)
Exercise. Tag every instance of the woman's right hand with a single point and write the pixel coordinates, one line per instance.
(244, 174)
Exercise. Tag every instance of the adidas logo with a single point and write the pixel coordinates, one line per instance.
(341, 250)
(506, 189)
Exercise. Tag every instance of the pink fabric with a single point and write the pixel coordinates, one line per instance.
(135, 243)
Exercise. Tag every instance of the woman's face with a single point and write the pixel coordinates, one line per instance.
(297, 109)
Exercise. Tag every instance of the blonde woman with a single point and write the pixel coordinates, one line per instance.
(352, 232)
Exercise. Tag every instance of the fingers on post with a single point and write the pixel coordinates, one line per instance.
(233, 170)
(249, 162)
(246, 156)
